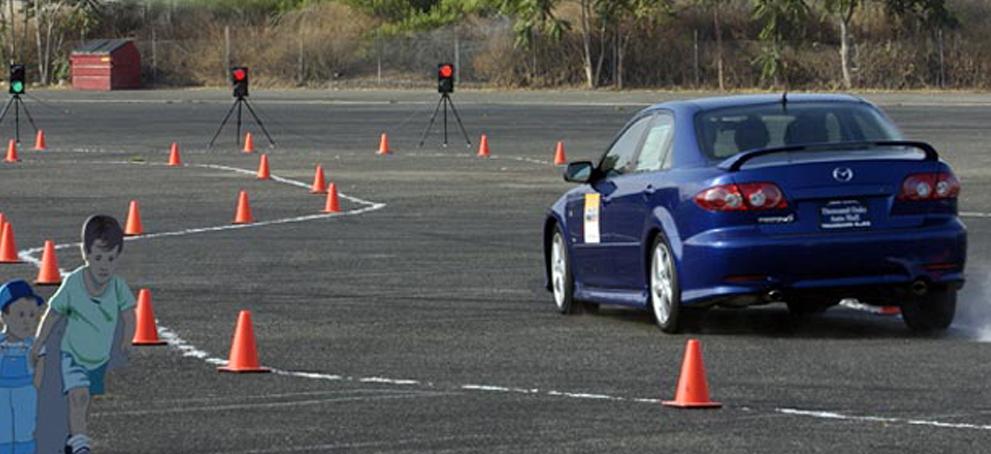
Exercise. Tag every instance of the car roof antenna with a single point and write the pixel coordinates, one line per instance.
(784, 101)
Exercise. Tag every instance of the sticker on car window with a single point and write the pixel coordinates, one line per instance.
(591, 218)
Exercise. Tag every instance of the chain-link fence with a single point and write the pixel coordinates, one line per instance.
(307, 52)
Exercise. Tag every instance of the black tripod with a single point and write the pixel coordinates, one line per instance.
(18, 104)
(445, 99)
(237, 138)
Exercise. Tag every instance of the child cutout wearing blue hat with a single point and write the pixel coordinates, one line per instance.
(20, 309)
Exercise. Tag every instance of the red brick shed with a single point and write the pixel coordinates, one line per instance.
(106, 64)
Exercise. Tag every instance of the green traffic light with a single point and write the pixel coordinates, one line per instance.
(17, 86)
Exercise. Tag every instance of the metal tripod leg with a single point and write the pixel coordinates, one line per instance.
(17, 119)
(30, 120)
(259, 121)
(221, 128)
(458, 117)
(6, 107)
(446, 100)
(237, 131)
(432, 118)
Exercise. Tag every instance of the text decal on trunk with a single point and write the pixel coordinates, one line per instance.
(844, 214)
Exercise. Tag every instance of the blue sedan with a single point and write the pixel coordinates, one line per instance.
(737, 201)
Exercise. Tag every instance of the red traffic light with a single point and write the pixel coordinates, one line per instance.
(446, 71)
(239, 74)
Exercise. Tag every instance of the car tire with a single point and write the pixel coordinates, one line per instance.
(933, 311)
(663, 291)
(562, 279)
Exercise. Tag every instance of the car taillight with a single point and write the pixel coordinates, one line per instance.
(742, 197)
(929, 186)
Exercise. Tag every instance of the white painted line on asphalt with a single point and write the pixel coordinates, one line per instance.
(400, 443)
(911, 422)
(553, 393)
(292, 403)
(499, 389)
(974, 214)
(391, 381)
(493, 157)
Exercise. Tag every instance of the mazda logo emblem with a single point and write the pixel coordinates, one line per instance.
(843, 174)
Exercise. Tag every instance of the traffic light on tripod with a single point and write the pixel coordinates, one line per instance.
(17, 80)
(239, 80)
(445, 78)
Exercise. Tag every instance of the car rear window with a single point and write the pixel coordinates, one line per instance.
(725, 132)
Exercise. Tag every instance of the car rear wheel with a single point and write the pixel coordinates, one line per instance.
(930, 312)
(562, 281)
(665, 295)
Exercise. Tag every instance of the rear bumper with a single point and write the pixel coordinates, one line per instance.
(740, 263)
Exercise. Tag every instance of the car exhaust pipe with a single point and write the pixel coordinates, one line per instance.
(919, 287)
(773, 296)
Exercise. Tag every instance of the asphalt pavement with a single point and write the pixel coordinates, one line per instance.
(416, 320)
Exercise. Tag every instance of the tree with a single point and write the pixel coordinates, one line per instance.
(843, 11)
(533, 17)
(780, 19)
(52, 20)
(928, 13)
(630, 17)
(715, 6)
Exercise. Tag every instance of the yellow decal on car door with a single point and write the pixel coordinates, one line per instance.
(591, 218)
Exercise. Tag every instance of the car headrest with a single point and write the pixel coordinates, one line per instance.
(751, 134)
(807, 128)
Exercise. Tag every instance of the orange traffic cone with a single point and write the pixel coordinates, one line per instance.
(134, 226)
(244, 353)
(145, 330)
(319, 181)
(243, 214)
(483, 147)
(48, 273)
(3, 220)
(333, 205)
(12, 152)
(559, 158)
(8, 247)
(384, 145)
(174, 159)
(693, 391)
(263, 173)
(39, 141)
(249, 143)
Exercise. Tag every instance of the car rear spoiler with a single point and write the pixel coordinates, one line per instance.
(735, 162)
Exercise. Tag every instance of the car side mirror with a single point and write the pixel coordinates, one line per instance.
(579, 172)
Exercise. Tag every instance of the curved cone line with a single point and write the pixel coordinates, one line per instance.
(263, 173)
(319, 182)
(8, 247)
(48, 272)
(249, 143)
(333, 204)
(244, 354)
(384, 144)
(134, 226)
(39, 141)
(174, 158)
(483, 147)
(145, 332)
(243, 214)
(693, 391)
